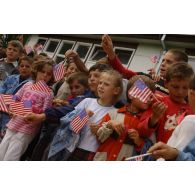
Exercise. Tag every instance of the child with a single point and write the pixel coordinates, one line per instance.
(78, 84)
(8, 66)
(109, 89)
(168, 113)
(61, 88)
(118, 133)
(52, 116)
(19, 134)
(12, 84)
(172, 56)
(181, 145)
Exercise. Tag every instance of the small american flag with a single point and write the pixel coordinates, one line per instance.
(154, 59)
(21, 108)
(28, 49)
(137, 158)
(141, 91)
(79, 121)
(41, 86)
(3, 107)
(7, 98)
(58, 71)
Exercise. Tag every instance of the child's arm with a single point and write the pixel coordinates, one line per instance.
(79, 63)
(158, 109)
(134, 135)
(107, 46)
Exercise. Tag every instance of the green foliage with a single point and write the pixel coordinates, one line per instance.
(5, 38)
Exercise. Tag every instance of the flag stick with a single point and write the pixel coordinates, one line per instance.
(139, 156)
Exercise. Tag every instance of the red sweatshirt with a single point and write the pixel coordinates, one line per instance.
(167, 123)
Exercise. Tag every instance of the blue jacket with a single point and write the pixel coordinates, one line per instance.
(12, 84)
(188, 154)
(57, 113)
(65, 141)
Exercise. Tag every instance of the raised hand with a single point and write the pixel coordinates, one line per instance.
(107, 46)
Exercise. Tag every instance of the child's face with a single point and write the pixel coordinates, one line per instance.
(76, 88)
(93, 80)
(25, 69)
(178, 89)
(139, 105)
(45, 74)
(71, 69)
(106, 88)
(168, 60)
(13, 53)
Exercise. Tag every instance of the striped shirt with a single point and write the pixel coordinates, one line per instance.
(40, 101)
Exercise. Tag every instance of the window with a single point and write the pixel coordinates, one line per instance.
(95, 54)
(83, 49)
(51, 47)
(42, 41)
(125, 55)
(64, 46)
(191, 61)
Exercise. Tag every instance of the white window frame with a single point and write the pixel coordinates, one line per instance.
(84, 44)
(43, 39)
(126, 49)
(51, 54)
(90, 62)
(60, 46)
(192, 58)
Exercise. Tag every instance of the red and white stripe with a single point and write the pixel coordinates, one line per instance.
(7, 99)
(18, 108)
(78, 124)
(58, 71)
(143, 95)
(3, 107)
(41, 86)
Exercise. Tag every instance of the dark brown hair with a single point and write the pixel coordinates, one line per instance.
(18, 44)
(38, 67)
(81, 77)
(26, 58)
(180, 56)
(180, 70)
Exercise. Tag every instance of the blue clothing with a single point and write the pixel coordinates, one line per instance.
(66, 139)
(188, 154)
(7, 69)
(12, 84)
(59, 112)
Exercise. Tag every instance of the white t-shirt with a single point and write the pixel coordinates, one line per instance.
(183, 133)
(89, 141)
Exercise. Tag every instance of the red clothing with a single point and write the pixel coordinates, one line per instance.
(117, 65)
(113, 145)
(167, 122)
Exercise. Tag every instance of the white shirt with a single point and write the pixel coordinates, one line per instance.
(183, 133)
(89, 141)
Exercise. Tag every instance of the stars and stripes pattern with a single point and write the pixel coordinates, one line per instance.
(58, 71)
(21, 108)
(7, 98)
(79, 121)
(3, 107)
(141, 91)
(154, 59)
(41, 86)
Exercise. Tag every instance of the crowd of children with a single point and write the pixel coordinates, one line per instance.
(122, 120)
